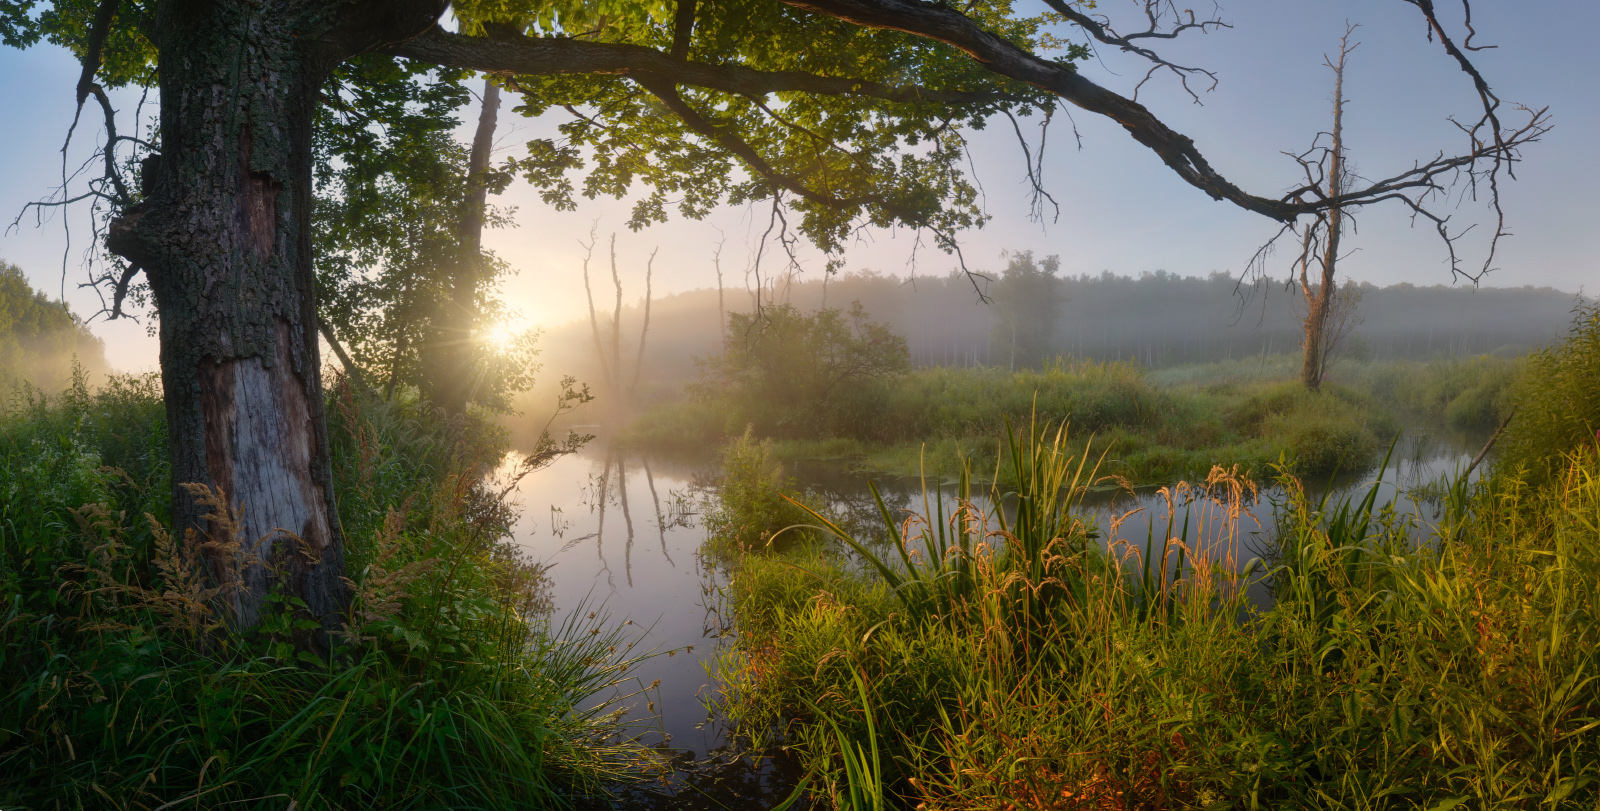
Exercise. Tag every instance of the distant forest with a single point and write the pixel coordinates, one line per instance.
(40, 338)
(1156, 319)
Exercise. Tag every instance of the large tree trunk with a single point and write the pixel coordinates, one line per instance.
(224, 236)
(451, 374)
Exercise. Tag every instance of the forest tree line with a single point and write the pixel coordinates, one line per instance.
(1035, 312)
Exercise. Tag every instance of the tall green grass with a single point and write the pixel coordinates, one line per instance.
(118, 688)
(1016, 656)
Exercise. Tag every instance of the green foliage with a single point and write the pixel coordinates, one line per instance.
(1557, 399)
(1027, 304)
(1399, 667)
(860, 160)
(789, 373)
(1333, 429)
(749, 509)
(932, 419)
(40, 339)
(1467, 392)
(391, 194)
(449, 687)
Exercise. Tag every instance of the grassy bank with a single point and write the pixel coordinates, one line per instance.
(119, 689)
(1049, 672)
(1153, 427)
(1026, 658)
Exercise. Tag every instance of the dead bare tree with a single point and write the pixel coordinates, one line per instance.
(594, 322)
(616, 324)
(1338, 324)
(722, 309)
(644, 329)
(1326, 229)
(610, 357)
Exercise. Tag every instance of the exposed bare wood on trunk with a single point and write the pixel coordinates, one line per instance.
(1320, 298)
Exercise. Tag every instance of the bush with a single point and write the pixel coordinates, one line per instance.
(749, 508)
(795, 374)
(1335, 428)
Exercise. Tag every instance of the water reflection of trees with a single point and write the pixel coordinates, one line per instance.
(608, 491)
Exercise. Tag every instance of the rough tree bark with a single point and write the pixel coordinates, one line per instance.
(223, 233)
(449, 365)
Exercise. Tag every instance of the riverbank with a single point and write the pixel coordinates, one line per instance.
(1028, 658)
(1148, 427)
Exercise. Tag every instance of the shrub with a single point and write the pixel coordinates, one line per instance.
(749, 508)
(795, 374)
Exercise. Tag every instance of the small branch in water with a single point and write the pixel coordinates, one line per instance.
(1490, 444)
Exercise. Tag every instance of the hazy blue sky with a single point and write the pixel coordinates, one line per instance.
(1121, 209)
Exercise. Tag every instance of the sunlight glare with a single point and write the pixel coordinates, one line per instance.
(501, 336)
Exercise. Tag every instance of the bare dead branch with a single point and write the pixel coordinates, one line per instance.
(1037, 192)
(1155, 13)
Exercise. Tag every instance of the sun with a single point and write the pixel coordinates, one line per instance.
(500, 336)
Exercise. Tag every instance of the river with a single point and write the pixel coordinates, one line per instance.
(619, 532)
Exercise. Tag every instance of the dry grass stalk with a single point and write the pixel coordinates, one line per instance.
(384, 582)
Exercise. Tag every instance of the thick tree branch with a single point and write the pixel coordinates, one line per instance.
(532, 56)
(664, 90)
(947, 25)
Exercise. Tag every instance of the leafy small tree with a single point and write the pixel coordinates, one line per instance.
(1028, 301)
(400, 206)
(790, 373)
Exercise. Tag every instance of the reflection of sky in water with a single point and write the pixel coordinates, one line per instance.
(621, 533)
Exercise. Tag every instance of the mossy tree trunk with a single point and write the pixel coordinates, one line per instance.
(223, 233)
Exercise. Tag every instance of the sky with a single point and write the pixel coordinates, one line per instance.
(1122, 210)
